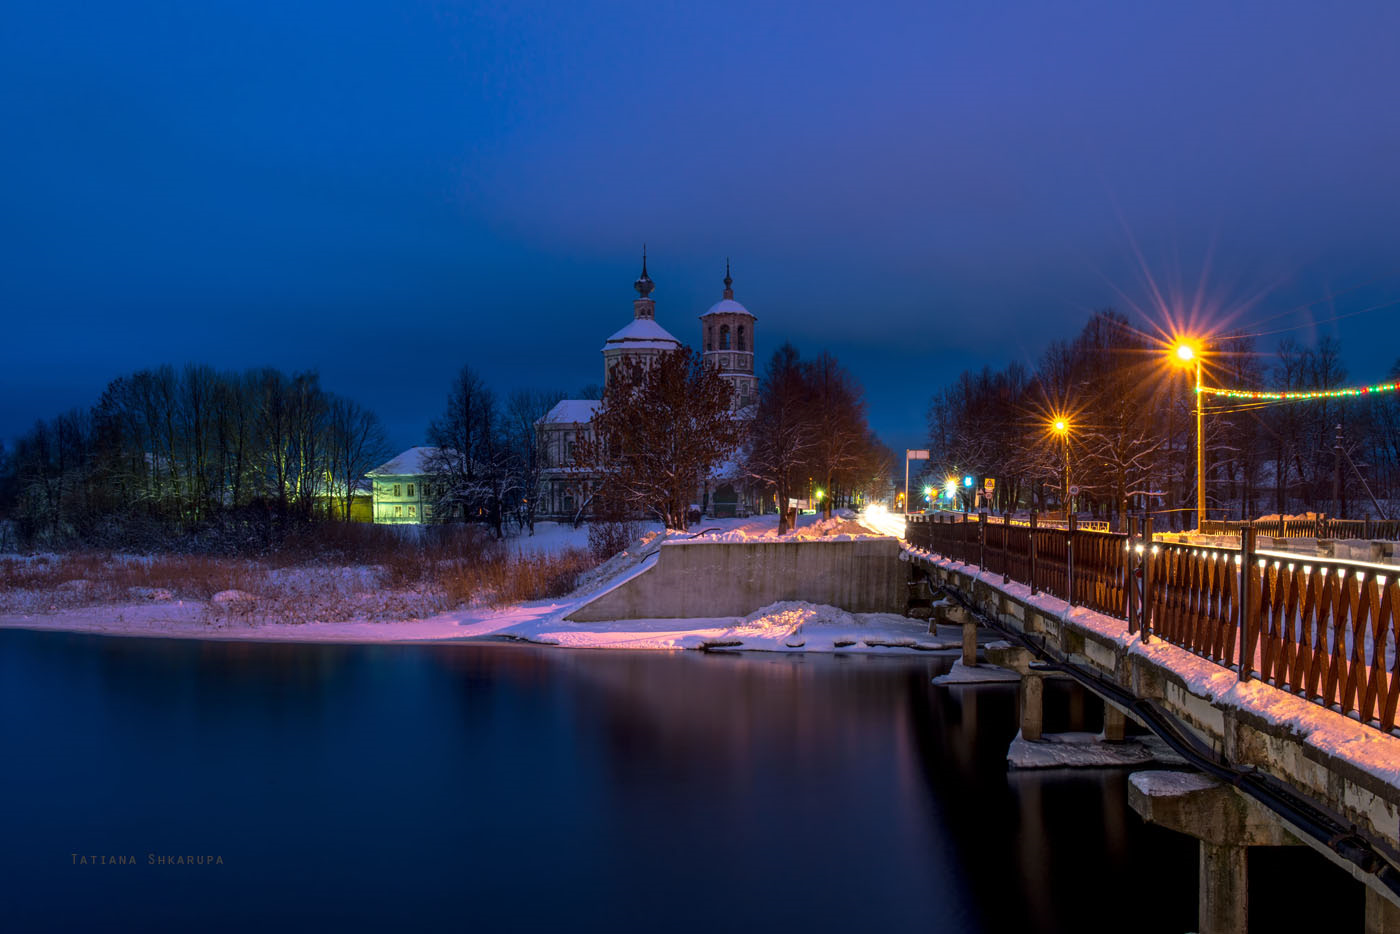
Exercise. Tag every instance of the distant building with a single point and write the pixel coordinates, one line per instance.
(330, 503)
(727, 333)
(403, 489)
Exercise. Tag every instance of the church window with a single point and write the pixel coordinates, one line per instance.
(710, 338)
(740, 344)
(724, 337)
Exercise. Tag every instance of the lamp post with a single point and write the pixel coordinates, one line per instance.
(1186, 354)
(1061, 427)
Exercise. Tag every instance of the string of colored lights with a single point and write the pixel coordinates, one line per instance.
(1301, 394)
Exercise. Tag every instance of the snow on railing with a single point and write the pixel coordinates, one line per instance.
(1321, 628)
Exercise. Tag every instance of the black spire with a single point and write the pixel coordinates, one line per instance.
(728, 282)
(644, 285)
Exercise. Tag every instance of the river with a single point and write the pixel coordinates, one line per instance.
(496, 787)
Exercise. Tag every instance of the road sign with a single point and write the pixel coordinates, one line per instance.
(990, 484)
(916, 455)
(1074, 491)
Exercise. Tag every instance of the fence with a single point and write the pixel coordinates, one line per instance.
(1322, 629)
(1312, 527)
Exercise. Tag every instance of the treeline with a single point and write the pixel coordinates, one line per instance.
(810, 432)
(1130, 439)
(230, 457)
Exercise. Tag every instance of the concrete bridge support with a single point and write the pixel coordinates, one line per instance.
(1115, 724)
(1032, 706)
(1226, 823)
(1382, 915)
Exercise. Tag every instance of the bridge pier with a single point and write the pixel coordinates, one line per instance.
(1032, 705)
(1115, 724)
(1226, 823)
(1382, 915)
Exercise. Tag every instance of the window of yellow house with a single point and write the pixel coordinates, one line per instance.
(398, 510)
(427, 507)
(396, 490)
(410, 489)
(412, 512)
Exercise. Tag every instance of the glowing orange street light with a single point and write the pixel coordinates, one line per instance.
(1187, 353)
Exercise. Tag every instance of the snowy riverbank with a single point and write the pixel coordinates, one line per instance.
(782, 627)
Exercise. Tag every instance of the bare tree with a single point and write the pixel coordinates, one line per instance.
(522, 411)
(662, 426)
(471, 463)
(782, 436)
(356, 443)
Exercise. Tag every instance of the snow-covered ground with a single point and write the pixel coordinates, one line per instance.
(781, 627)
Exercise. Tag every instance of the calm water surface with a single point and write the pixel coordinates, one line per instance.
(501, 787)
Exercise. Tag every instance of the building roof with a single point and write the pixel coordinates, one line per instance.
(642, 334)
(411, 463)
(728, 306)
(570, 412)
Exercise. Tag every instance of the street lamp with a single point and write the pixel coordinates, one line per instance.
(1186, 354)
(1061, 427)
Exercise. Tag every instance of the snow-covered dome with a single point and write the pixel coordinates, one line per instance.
(727, 306)
(642, 334)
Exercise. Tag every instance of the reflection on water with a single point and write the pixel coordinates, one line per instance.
(501, 787)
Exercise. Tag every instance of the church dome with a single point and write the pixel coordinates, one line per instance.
(642, 334)
(727, 306)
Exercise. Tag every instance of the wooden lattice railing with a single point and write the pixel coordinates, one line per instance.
(1322, 629)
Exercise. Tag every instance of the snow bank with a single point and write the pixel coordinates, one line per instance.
(788, 626)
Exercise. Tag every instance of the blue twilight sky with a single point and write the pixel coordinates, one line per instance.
(384, 192)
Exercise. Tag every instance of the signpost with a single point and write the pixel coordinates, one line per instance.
(910, 455)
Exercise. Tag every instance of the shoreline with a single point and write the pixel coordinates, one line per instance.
(789, 627)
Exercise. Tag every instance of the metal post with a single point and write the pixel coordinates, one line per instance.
(1034, 591)
(1337, 475)
(1069, 558)
(1246, 569)
(1200, 449)
(1064, 440)
(1005, 550)
(981, 540)
(1147, 561)
(906, 484)
(1130, 575)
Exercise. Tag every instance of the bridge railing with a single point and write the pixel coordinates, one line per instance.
(1323, 629)
(1310, 527)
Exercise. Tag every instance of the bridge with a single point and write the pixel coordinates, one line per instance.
(1272, 673)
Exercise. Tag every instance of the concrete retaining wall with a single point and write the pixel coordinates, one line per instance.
(699, 578)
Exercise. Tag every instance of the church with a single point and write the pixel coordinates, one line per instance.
(727, 336)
